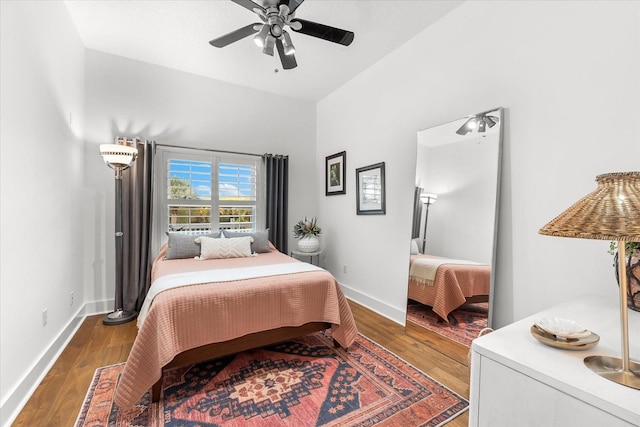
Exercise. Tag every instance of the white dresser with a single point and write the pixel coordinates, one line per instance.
(519, 381)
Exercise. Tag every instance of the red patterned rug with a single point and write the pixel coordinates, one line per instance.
(303, 382)
(465, 323)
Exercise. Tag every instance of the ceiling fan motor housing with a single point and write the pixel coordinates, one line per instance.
(277, 18)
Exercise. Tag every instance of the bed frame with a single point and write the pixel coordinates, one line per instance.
(236, 345)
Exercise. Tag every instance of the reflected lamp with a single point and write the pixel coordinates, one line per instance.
(427, 199)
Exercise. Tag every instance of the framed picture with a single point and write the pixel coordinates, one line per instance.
(335, 177)
(370, 197)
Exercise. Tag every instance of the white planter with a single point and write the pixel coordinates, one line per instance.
(309, 244)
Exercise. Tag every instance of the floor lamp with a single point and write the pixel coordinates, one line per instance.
(428, 199)
(119, 156)
(610, 212)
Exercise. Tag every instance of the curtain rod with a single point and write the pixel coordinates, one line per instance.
(209, 149)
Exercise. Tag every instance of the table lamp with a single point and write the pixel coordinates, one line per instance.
(610, 212)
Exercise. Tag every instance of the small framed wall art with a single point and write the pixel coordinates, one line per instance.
(370, 191)
(335, 177)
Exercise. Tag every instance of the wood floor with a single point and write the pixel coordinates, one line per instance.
(57, 401)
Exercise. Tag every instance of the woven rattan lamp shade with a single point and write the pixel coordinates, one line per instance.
(610, 212)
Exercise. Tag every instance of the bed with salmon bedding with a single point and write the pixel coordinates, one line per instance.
(200, 309)
(445, 284)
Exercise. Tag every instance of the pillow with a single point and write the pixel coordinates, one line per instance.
(415, 250)
(210, 248)
(183, 245)
(260, 243)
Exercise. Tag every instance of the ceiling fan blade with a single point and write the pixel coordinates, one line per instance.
(325, 32)
(293, 4)
(465, 128)
(248, 4)
(234, 36)
(288, 61)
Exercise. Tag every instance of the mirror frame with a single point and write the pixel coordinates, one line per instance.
(494, 249)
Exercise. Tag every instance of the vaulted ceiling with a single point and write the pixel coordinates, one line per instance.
(175, 34)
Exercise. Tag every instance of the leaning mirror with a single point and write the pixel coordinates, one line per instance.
(454, 227)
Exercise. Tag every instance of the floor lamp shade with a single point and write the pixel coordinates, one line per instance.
(119, 157)
(610, 212)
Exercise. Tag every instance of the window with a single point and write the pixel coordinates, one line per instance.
(201, 191)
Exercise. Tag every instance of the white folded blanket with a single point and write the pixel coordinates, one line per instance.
(423, 270)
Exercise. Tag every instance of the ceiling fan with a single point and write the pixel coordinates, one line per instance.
(275, 16)
(479, 122)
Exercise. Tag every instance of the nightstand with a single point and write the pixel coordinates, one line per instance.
(296, 254)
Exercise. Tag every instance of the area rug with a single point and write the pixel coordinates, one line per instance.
(465, 323)
(302, 382)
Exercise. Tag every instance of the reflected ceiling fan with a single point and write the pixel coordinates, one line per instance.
(271, 33)
(478, 122)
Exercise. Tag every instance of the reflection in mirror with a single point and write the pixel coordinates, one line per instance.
(454, 227)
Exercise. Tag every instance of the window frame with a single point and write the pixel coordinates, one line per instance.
(215, 158)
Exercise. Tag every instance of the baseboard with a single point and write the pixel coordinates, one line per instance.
(12, 406)
(373, 304)
(98, 307)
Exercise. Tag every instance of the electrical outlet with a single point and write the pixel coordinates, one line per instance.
(44, 317)
(344, 269)
(71, 298)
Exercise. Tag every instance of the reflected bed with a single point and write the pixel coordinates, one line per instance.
(446, 284)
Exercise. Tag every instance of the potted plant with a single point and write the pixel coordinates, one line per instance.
(307, 231)
(633, 271)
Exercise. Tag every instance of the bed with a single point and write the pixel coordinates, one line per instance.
(223, 312)
(446, 284)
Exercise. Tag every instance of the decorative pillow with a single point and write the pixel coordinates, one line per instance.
(415, 250)
(210, 248)
(260, 243)
(183, 245)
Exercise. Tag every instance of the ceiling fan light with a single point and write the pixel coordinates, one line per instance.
(463, 130)
(467, 127)
(269, 44)
(490, 121)
(260, 38)
(289, 49)
(276, 30)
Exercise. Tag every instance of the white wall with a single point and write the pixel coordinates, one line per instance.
(464, 176)
(42, 167)
(568, 74)
(57, 194)
(131, 98)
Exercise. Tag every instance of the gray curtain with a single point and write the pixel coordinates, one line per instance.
(137, 207)
(277, 174)
(417, 213)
